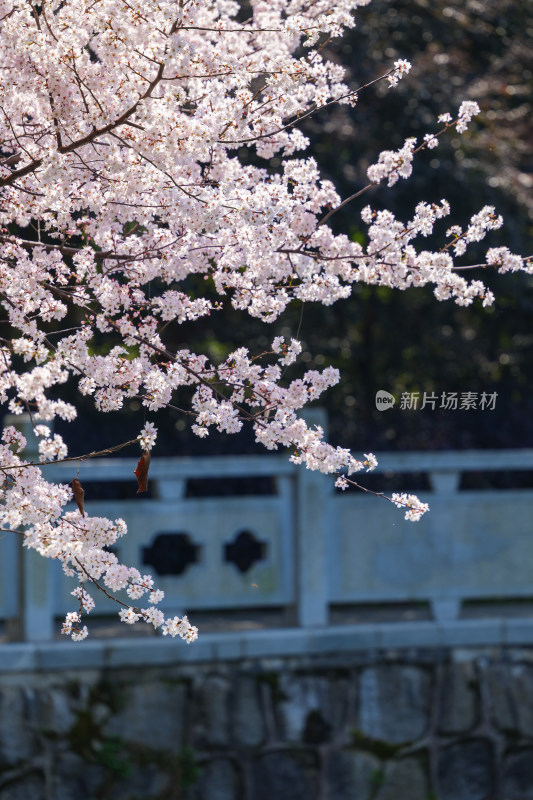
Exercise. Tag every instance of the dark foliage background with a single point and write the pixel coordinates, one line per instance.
(405, 341)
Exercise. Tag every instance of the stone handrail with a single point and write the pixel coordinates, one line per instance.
(302, 549)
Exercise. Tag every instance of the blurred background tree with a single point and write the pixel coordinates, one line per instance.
(405, 341)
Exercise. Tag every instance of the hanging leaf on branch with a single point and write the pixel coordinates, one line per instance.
(79, 495)
(141, 472)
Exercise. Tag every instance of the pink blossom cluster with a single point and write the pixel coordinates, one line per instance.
(121, 182)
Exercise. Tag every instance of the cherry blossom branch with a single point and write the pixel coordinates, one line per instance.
(90, 137)
(107, 451)
(300, 117)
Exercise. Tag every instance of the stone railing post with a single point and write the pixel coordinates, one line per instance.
(313, 493)
(445, 607)
(35, 590)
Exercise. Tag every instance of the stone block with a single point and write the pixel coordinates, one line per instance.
(30, 786)
(510, 688)
(351, 775)
(229, 711)
(394, 703)
(218, 781)
(75, 778)
(517, 778)
(146, 781)
(17, 741)
(53, 711)
(458, 701)
(247, 723)
(212, 703)
(313, 709)
(464, 771)
(285, 776)
(405, 779)
(152, 714)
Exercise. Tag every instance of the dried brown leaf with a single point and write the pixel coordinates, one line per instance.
(79, 495)
(141, 472)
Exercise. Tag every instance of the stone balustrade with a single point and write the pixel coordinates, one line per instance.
(284, 540)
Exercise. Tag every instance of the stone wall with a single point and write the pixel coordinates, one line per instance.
(398, 725)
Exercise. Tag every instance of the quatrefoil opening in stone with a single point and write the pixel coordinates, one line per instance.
(244, 551)
(171, 553)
